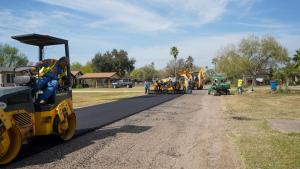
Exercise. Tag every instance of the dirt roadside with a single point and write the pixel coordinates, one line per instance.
(186, 133)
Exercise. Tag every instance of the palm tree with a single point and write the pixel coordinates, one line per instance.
(296, 58)
(174, 52)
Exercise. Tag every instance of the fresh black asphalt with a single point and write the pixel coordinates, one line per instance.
(96, 116)
(93, 117)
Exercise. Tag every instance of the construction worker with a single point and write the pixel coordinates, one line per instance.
(146, 86)
(240, 86)
(51, 74)
(190, 86)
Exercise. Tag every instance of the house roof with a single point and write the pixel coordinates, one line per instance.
(6, 69)
(99, 75)
(75, 72)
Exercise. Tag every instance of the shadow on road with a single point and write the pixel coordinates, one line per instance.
(39, 144)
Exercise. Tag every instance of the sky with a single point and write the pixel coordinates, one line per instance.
(147, 29)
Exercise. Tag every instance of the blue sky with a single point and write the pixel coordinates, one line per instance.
(147, 29)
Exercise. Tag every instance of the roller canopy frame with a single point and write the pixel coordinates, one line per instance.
(44, 40)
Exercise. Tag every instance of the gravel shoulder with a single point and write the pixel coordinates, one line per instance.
(188, 132)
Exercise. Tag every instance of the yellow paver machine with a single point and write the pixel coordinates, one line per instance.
(172, 85)
(22, 116)
(179, 85)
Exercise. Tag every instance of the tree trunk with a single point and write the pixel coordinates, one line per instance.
(287, 84)
(253, 81)
(11, 60)
(175, 67)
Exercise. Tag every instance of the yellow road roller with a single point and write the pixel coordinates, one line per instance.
(22, 116)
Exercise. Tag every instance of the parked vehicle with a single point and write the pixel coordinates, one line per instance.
(219, 86)
(123, 83)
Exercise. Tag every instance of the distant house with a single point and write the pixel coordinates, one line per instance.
(6, 77)
(263, 77)
(97, 80)
(76, 78)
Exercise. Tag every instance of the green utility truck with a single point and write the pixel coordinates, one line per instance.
(219, 86)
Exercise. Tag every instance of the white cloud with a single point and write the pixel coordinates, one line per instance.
(146, 16)
(12, 23)
(116, 12)
(149, 15)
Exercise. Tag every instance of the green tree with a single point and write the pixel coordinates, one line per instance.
(251, 56)
(210, 73)
(290, 71)
(147, 72)
(114, 61)
(174, 52)
(261, 54)
(87, 68)
(137, 74)
(168, 71)
(230, 63)
(189, 63)
(11, 57)
(76, 66)
(296, 58)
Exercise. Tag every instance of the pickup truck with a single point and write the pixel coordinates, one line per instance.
(123, 83)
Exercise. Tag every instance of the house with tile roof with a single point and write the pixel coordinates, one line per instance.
(101, 79)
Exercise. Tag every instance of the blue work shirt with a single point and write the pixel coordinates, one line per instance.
(53, 74)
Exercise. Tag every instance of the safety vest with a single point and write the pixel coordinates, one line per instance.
(240, 83)
(46, 69)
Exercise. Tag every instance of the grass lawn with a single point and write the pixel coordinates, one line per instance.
(87, 97)
(261, 147)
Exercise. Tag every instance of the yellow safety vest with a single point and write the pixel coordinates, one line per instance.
(46, 69)
(240, 83)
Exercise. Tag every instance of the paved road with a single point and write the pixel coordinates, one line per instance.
(93, 117)
(188, 132)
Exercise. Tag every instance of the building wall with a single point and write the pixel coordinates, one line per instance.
(76, 80)
(99, 83)
(6, 79)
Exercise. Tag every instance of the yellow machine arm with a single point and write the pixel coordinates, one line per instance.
(185, 74)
